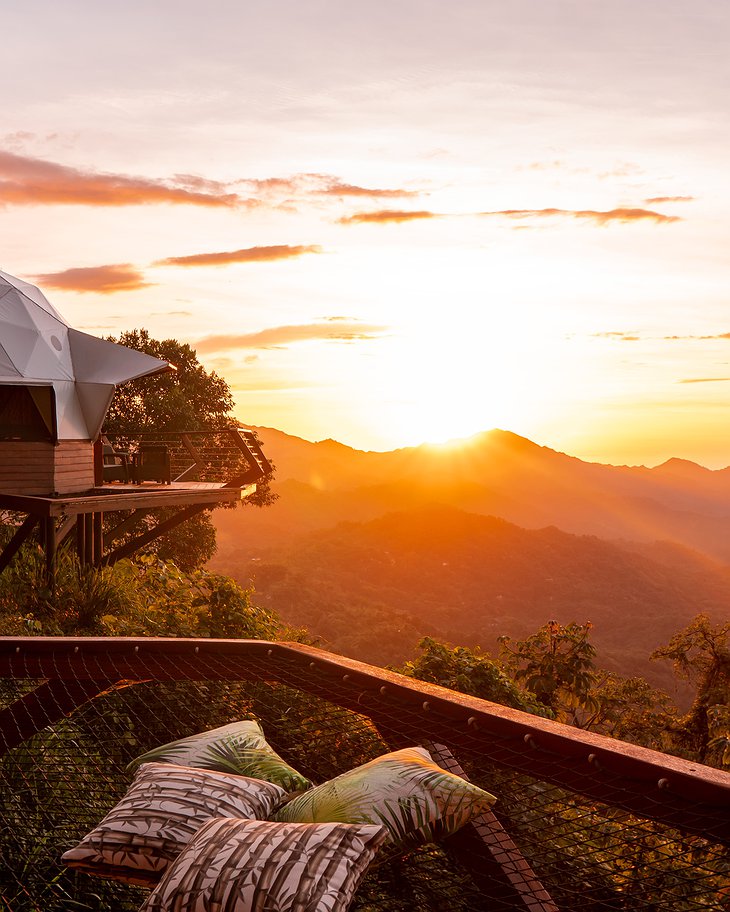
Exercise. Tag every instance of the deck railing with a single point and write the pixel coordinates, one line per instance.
(582, 822)
(231, 456)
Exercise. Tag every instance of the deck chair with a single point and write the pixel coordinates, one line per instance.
(116, 464)
(152, 463)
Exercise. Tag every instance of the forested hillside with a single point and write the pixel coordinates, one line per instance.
(370, 589)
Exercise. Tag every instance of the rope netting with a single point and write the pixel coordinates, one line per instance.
(547, 846)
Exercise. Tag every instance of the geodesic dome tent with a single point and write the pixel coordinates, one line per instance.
(56, 384)
(40, 352)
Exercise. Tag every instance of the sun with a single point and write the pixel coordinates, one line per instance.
(429, 391)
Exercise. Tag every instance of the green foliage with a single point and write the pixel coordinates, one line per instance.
(147, 597)
(190, 399)
(632, 710)
(82, 596)
(471, 672)
(556, 664)
(700, 653)
(190, 545)
(166, 601)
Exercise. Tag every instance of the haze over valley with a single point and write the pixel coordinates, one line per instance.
(494, 535)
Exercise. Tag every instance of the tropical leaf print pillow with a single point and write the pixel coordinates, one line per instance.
(236, 748)
(163, 809)
(405, 791)
(246, 865)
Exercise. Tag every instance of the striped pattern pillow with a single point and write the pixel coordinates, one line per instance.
(239, 747)
(251, 866)
(161, 812)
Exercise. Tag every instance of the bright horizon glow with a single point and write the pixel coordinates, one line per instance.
(396, 223)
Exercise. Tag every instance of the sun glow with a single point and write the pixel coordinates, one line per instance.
(435, 386)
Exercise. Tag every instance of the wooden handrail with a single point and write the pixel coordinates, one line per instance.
(652, 784)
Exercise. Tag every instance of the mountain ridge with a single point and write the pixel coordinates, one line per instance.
(509, 475)
(638, 551)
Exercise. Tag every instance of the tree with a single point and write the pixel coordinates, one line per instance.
(471, 672)
(556, 664)
(190, 399)
(632, 710)
(700, 654)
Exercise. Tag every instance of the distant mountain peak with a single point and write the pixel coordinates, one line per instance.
(682, 467)
(331, 444)
(513, 440)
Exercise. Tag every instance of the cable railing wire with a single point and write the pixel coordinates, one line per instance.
(571, 833)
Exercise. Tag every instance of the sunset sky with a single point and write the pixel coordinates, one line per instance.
(392, 222)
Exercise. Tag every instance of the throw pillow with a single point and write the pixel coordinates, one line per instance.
(236, 748)
(404, 791)
(247, 866)
(161, 812)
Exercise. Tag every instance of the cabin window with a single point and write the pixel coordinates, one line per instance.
(27, 413)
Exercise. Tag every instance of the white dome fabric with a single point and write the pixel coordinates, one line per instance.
(38, 348)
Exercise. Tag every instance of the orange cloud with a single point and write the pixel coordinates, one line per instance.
(337, 188)
(382, 216)
(100, 279)
(669, 199)
(622, 215)
(722, 336)
(705, 380)
(277, 336)
(312, 184)
(600, 218)
(246, 255)
(619, 336)
(28, 181)
(277, 184)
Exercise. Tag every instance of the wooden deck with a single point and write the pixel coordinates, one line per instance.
(56, 518)
(117, 496)
(233, 454)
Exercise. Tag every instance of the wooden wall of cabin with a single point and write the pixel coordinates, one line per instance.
(39, 467)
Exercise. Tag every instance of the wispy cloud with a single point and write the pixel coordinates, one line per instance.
(704, 380)
(279, 336)
(632, 336)
(246, 255)
(622, 215)
(653, 200)
(623, 169)
(315, 184)
(618, 336)
(719, 336)
(383, 216)
(99, 279)
(542, 165)
(338, 188)
(26, 181)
